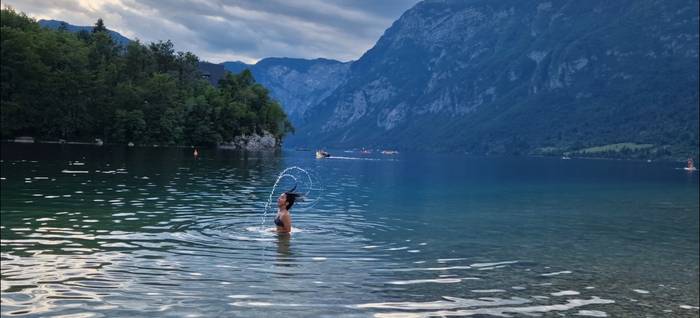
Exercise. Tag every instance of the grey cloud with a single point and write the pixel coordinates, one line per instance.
(247, 30)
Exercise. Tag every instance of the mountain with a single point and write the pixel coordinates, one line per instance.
(211, 72)
(520, 77)
(56, 24)
(235, 67)
(297, 84)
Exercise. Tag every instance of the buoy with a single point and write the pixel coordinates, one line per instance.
(195, 152)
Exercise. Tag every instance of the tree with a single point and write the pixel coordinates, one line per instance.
(164, 55)
(129, 126)
(99, 26)
(57, 84)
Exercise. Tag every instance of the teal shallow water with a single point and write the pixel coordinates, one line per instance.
(124, 232)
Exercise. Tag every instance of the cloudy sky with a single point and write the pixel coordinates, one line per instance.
(245, 30)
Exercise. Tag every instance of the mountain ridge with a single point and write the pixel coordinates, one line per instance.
(56, 24)
(517, 78)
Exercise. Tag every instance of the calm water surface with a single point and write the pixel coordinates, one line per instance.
(135, 232)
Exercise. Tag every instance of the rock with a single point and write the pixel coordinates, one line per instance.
(254, 142)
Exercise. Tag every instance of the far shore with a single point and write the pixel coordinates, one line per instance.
(92, 143)
(294, 149)
(59, 142)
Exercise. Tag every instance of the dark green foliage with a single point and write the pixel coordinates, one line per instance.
(99, 26)
(81, 86)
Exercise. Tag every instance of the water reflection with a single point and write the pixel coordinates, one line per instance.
(284, 251)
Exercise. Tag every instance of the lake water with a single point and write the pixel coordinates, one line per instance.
(153, 232)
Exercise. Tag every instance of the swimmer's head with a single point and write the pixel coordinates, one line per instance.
(288, 198)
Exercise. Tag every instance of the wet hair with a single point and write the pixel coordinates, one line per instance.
(291, 197)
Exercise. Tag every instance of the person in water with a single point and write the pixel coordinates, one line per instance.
(283, 220)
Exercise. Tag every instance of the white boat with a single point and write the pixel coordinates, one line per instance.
(322, 154)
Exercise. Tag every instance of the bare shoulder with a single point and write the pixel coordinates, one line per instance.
(287, 219)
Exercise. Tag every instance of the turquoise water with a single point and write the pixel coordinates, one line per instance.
(128, 232)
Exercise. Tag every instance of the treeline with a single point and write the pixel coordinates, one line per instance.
(80, 86)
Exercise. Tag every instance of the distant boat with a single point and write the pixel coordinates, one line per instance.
(99, 142)
(322, 154)
(691, 165)
(389, 152)
(366, 151)
(565, 157)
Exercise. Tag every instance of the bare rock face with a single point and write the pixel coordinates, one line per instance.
(254, 142)
(298, 84)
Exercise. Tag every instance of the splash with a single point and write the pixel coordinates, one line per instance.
(288, 173)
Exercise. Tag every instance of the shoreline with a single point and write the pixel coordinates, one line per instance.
(280, 148)
(84, 143)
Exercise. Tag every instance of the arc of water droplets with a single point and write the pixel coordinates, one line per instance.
(279, 178)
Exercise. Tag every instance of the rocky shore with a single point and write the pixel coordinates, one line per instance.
(253, 142)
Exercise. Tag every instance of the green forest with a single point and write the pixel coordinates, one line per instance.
(81, 86)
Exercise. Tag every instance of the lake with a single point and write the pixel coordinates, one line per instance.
(155, 232)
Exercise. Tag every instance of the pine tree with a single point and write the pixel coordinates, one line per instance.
(99, 26)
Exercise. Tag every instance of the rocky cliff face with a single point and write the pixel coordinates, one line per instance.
(518, 76)
(297, 84)
(300, 84)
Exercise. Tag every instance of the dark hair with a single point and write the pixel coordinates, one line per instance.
(291, 196)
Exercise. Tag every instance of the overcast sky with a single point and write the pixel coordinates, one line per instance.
(245, 30)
